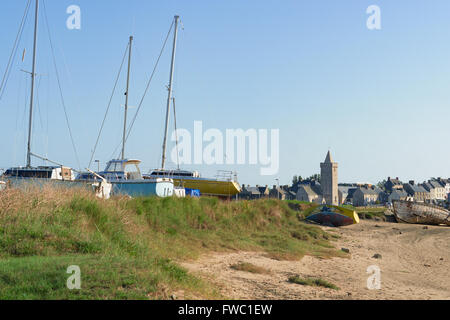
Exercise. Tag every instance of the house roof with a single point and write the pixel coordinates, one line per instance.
(435, 184)
(369, 191)
(395, 182)
(400, 193)
(415, 188)
(345, 189)
(251, 190)
(315, 190)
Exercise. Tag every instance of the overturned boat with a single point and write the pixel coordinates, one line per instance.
(330, 218)
(420, 213)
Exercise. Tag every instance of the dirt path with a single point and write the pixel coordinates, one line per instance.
(415, 264)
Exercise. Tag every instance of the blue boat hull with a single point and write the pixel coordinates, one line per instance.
(330, 219)
(143, 189)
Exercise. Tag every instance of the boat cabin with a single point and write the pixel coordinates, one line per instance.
(51, 173)
(175, 174)
(117, 170)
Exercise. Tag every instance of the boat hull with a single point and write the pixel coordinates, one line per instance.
(23, 183)
(331, 219)
(420, 213)
(209, 187)
(143, 188)
(348, 213)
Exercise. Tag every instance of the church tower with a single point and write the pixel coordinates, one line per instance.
(329, 181)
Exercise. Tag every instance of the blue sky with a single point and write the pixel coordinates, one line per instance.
(379, 99)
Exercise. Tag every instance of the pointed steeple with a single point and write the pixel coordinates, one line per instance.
(329, 159)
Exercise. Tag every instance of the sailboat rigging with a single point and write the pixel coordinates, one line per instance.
(30, 172)
(124, 174)
(190, 180)
(58, 174)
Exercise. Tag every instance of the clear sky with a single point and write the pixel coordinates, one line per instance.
(379, 99)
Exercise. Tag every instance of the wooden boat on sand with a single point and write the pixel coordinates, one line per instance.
(420, 213)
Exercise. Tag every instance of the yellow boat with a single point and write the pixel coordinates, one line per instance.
(348, 213)
(223, 186)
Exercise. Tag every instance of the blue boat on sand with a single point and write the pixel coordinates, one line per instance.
(327, 217)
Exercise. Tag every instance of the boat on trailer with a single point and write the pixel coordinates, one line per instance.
(420, 213)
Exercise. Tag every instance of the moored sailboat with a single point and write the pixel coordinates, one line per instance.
(126, 179)
(125, 174)
(58, 174)
(226, 186)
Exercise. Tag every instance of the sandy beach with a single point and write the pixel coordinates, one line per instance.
(414, 263)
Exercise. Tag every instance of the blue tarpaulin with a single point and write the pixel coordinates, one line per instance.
(193, 193)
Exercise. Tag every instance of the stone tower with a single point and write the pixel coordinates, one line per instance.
(329, 181)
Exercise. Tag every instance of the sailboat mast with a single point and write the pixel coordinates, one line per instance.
(169, 98)
(126, 100)
(33, 76)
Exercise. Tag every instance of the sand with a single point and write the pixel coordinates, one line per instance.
(414, 264)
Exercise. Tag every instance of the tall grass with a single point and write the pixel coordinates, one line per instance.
(129, 248)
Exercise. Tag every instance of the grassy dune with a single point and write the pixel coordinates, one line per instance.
(129, 248)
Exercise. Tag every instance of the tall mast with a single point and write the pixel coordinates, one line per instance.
(169, 98)
(33, 76)
(126, 100)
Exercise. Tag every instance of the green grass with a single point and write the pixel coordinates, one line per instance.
(313, 282)
(248, 267)
(129, 248)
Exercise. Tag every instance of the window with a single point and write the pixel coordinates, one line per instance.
(114, 167)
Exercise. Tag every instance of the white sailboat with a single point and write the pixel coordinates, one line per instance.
(124, 174)
(225, 185)
(57, 174)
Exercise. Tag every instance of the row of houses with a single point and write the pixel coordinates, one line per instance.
(358, 195)
(434, 190)
(355, 194)
(265, 192)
